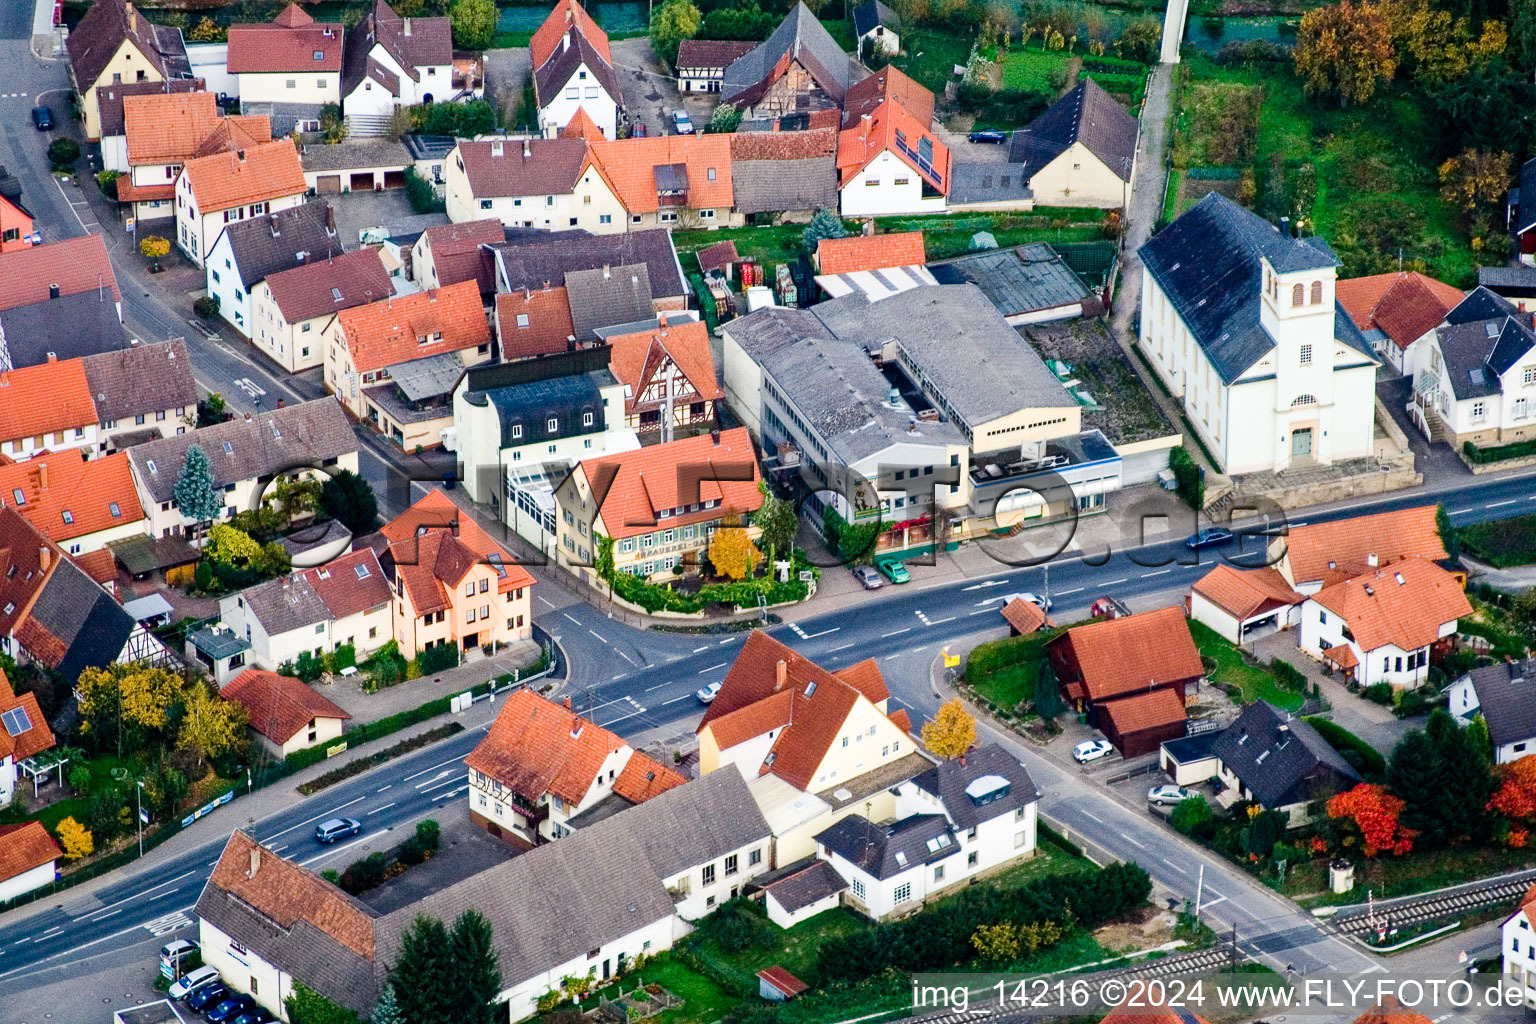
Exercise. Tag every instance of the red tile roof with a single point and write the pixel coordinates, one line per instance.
(65, 496)
(901, 719)
(1405, 305)
(636, 359)
(44, 399)
(287, 43)
(644, 481)
(1024, 616)
(435, 541)
(870, 252)
(782, 980)
(1144, 711)
(99, 565)
(166, 128)
(1152, 1014)
(878, 133)
(38, 738)
(1137, 652)
(581, 126)
(24, 847)
(384, 333)
(714, 257)
(278, 706)
(26, 550)
(547, 328)
(286, 894)
(536, 746)
(630, 165)
(1403, 604)
(699, 54)
(226, 180)
(567, 14)
(807, 145)
(330, 285)
(889, 83)
(1333, 552)
(352, 583)
(643, 778)
(74, 264)
(456, 254)
(1246, 592)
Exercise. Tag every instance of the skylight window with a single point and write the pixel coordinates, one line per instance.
(938, 843)
(335, 294)
(229, 449)
(152, 467)
(117, 511)
(69, 517)
(21, 499)
(362, 571)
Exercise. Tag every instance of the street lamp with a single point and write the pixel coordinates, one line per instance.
(138, 796)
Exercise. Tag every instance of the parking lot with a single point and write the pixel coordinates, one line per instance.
(650, 91)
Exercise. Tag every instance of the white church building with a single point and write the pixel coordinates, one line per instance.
(1241, 324)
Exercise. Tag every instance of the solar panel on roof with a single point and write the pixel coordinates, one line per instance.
(16, 721)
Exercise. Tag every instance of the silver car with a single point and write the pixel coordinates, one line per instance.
(332, 829)
(868, 577)
(1169, 794)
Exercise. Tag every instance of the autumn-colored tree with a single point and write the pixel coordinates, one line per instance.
(154, 246)
(1343, 49)
(211, 725)
(998, 942)
(207, 31)
(1515, 798)
(1439, 46)
(1375, 813)
(75, 839)
(122, 704)
(1475, 180)
(732, 552)
(951, 731)
(231, 547)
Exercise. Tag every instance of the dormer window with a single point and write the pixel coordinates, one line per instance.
(553, 424)
(517, 430)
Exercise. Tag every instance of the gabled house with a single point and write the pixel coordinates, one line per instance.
(393, 363)
(246, 252)
(701, 63)
(787, 176)
(1279, 762)
(552, 183)
(23, 732)
(543, 771)
(573, 71)
(82, 506)
(889, 162)
(114, 44)
(72, 265)
(109, 101)
(162, 131)
(1131, 676)
(1501, 693)
(30, 334)
(681, 181)
(244, 454)
(1241, 324)
(1318, 555)
(453, 584)
(28, 859)
(286, 714)
(291, 308)
(656, 505)
(796, 69)
(1080, 152)
(239, 184)
(1475, 380)
(450, 253)
(1518, 941)
(15, 220)
(291, 64)
(141, 393)
(1387, 624)
(1398, 312)
(1517, 284)
(389, 62)
(888, 83)
(345, 602)
(1244, 604)
(533, 322)
(535, 261)
(668, 376)
(814, 745)
(608, 300)
(877, 29)
(46, 409)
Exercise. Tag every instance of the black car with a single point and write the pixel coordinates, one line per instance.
(990, 136)
(230, 1008)
(1214, 537)
(209, 995)
(256, 1016)
(42, 117)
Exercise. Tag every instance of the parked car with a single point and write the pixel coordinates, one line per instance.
(895, 572)
(868, 578)
(990, 135)
(332, 829)
(708, 694)
(42, 117)
(1214, 537)
(192, 981)
(1091, 750)
(209, 995)
(178, 952)
(230, 1008)
(1038, 600)
(1168, 794)
(681, 123)
(255, 1016)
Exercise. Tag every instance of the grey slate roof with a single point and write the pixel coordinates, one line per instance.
(528, 393)
(91, 625)
(989, 183)
(1086, 114)
(1506, 281)
(803, 39)
(1022, 280)
(1506, 697)
(806, 886)
(607, 296)
(286, 603)
(265, 245)
(948, 780)
(1476, 353)
(355, 154)
(1480, 304)
(305, 434)
(763, 186)
(1207, 263)
(1281, 760)
(886, 851)
(533, 262)
(141, 379)
(29, 333)
(871, 13)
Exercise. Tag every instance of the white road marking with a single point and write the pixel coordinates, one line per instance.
(386, 807)
(332, 851)
(674, 700)
(326, 814)
(713, 667)
(451, 792)
(1134, 843)
(727, 640)
(621, 718)
(1161, 572)
(1499, 504)
(135, 896)
(1458, 511)
(1095, 817)
(813, 636)
(598, 635)
(842, 648)
(658, 686)
(1064, 593)
(571, 617)
(1112, 583)
(424, 771)
(547, 601)
(706, 647)
(383, 788)
(1175, 867)
(1208, 904)
(986, 583)
(896, 632)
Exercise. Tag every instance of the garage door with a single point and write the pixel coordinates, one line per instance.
(328, 183)
(394, 179)
(362, 181)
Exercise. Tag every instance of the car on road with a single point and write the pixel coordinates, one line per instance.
(895, 572)
(230, 1008)
(1168, 794)
(207, 996)
(332, 829)
(1091, 750)
(192, 981)
(868, 578)
(681, 123)
(708, 694)
(1038, 600)
(990, 135)
(42, 118)
(1212, 537)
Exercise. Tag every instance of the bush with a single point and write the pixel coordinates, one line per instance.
(154, 246)
(1189, 475)
(1189, 815)
(1499, 453)
(1288, 676)
(308, 667)
(344, 656)
(107, 182)
(62, 153)
(206, 307)
(1363, 757)
(1379, 693)
(420, 194)
(436, 659)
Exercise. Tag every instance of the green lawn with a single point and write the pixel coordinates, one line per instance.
(1419, 871)
(768, 245)
(1030, 68)
(931, 57)
(1502, 542)
(1255, 681)
(703, 1000)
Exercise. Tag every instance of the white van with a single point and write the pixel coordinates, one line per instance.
(185, 986)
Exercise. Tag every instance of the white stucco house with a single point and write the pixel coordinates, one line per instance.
(1244, 604)
(554, 184)
(248, 251)
(289, 67)
(344, 602)
(23, 732)
(1080, 152)
(1502, 694)
(875, 25)
(1518, 948)
(391, 62)
(1241, 324)
(573, 72)
(28, 859)
(890, 163)
(1475, 375)
(213, 191)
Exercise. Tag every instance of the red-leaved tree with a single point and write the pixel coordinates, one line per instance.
(1374, 812)
(1515, 798)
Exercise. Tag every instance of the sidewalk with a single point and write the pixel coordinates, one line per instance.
(412, 693)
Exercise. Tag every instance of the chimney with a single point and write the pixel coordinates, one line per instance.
(606, 272)
(431, 294)
(53, 291)
(45, 557)
(279, 403)
(330, 218)
(1285, 226)
(272, 225)
(497, 147)
(565, 41)
(714, 435)
(133, 19)
(527, 149)
(567, 702)
(255, 862)
(42, 476)
(53, 357)
(406, 29)
(781, 670)
(1371, 560)
(661, 322)
(240, 155)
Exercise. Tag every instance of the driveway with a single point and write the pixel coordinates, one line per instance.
(650, 94)
(506, 72)
(358, 210)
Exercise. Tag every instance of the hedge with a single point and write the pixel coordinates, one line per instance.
(1288, 676)
(996, 655)
(1366, 759)
(1114, 66)
(1499, 453)
(1191, 480)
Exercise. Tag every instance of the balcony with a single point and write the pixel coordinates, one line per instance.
(669, 199)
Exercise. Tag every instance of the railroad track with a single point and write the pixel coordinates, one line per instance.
(1356, 920)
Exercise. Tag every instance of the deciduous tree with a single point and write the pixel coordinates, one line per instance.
(211, 725)
(777, 520)
(1375, 813)
(231, 548)
(154, 247)
(951, 731)
(123, 704)
(75, 839)
(473, 22)
(1343, 50)
(1438, 45)
(998, 942)
(1475, 181)
(732, 552)
(671, 23)
(724, 119)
